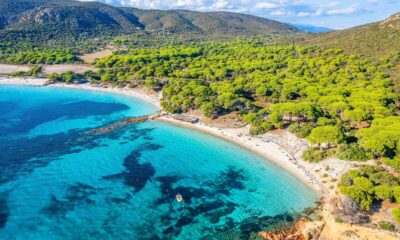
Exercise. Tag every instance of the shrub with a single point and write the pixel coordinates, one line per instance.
(394, 163)
(262, 128)
(362, 198)
(338, 220)
(364, 184)
(352, 152)
(323, 121)
(301, 130)
(383, 192)
(396, 193)
(314, 155)
(386, 226)
(396, 214)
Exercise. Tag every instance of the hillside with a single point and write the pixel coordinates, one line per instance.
(43, 20)
(46, 20)
(209, 23)
(373, 40)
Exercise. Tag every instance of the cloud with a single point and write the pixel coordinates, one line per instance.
(342, 11)
(280, 13)
(303, 14)
(266, 5)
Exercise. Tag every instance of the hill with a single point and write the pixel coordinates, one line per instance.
(209, 23)
(43, 20)
(373, 40)
(46, 20)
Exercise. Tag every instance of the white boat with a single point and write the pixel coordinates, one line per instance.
(179, 197)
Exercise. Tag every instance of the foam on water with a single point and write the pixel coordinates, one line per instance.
(59, 182)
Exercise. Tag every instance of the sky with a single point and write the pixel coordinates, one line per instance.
(336, 14)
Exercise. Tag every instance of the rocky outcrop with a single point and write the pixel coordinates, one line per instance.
(124, 122)
(303, 229)
(392, 22)
(347, 210)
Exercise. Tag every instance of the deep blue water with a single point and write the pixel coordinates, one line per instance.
(58, 181)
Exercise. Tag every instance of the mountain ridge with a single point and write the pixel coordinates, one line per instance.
(53, 19)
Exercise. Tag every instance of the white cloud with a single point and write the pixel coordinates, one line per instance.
(303, 14)
(266, 5)
(279, 13)
(342, 11)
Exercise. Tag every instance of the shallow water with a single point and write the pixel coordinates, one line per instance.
(57, 181)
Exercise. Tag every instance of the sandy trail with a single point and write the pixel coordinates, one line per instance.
(7, 69)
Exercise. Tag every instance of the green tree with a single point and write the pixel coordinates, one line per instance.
(383, 192)
(396, 214)
(326, 134)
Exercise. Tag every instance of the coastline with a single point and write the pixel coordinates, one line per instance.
(282, 149)
(269, 150)
(139, 93)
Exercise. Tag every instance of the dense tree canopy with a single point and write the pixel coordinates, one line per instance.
(326, 134)
(369, 184)
(271, 86)
(27, 54)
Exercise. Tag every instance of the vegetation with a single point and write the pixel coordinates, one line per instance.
(352, 152)
(27, 54)
(33, 72)
(330, 98)
(387, 226)
(28, 20)
(396, 214)
(371, 40)
(70, 77)
(369, 184)
(383, 137)
(326, 134)
(315, 154)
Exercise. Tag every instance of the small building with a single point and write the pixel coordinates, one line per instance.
(184, 118)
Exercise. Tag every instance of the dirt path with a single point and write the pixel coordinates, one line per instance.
(7, 69)
(91, 57)
(62, 68)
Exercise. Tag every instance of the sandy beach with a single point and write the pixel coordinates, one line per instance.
(268, 149)
(23, 81)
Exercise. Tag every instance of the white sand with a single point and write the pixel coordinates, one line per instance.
(23, 81)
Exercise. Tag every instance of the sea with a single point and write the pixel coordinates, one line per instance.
(59, 179)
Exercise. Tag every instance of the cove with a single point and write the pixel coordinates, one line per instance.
(58, 181)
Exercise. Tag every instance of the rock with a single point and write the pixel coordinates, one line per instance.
(303, 229)
(349, 206)
(312, 230)
(348, 234)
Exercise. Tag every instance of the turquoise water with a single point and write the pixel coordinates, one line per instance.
(57, 181)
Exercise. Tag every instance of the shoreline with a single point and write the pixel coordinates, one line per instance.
(268, 150)
(139, 93)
